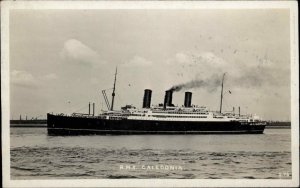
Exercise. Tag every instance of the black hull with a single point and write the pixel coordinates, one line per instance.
(66, 125)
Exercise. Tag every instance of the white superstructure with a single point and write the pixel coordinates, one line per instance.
(191, 114)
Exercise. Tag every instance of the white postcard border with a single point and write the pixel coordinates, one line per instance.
(9, 5)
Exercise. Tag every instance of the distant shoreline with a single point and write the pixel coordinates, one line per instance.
(278, 127)
(28, 123)
(37, 121)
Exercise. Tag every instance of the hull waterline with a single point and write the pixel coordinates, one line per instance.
(69, 125)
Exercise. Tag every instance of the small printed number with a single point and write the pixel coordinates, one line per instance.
(284, 174)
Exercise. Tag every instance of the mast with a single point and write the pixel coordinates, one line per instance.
(113, 93)
(222, 93)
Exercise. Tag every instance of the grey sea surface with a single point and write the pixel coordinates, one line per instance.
(35, 155)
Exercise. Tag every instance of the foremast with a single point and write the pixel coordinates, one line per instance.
(113, 93)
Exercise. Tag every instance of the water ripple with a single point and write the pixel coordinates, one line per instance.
(70, 162)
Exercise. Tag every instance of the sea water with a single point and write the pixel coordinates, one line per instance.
(35, 155)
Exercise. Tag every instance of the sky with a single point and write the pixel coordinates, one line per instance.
(60, 60)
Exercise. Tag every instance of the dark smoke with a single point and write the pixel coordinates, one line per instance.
(211, 84)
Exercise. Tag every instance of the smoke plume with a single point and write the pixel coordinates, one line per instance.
(211, 85)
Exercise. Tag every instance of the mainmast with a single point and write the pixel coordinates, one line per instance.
(113, 93)
(222, 93)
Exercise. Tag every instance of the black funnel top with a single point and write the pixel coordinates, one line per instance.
(147, 98)
(188, 99)
(168, 98)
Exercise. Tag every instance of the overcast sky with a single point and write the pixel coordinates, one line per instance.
(61, 59)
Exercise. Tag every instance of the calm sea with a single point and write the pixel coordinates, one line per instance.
(35, 155)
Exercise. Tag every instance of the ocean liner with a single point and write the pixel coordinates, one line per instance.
(164, 118)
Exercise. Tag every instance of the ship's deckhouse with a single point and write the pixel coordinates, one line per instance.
(177, 115)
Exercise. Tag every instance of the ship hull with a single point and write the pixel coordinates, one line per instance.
(68, 125)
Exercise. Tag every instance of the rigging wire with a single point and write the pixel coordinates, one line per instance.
(225, 102)
(84, 107)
